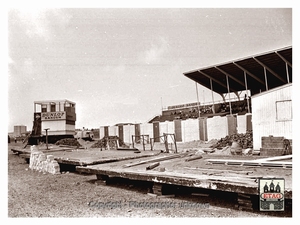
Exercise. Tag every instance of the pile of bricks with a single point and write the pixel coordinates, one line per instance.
(42, 162)
(275, 146)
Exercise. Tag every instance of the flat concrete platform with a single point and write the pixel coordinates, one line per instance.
(20, 150)
(197, 173)
(81, 157)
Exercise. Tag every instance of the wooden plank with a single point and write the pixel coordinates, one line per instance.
(250, 163)
(222, 171)
(284, 157)
(152, 166)
(163, 158)
(194, 158)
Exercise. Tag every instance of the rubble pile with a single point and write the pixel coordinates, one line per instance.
(42, 162)
(244, 140)
(68, 141)
(111, 141)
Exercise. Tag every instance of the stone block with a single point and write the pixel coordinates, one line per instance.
(50, 158)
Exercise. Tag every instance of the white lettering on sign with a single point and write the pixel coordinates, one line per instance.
(53, 116)
(183, 105)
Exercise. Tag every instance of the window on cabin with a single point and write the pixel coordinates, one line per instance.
(44, 108)
(284, 110)
(52, 108)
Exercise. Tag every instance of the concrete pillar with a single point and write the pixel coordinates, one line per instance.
(156, 131)
(137, 131)
(121, 132)
(106, 133)
(178, 130)
(203, 129)
(231, 124)
(248, 122)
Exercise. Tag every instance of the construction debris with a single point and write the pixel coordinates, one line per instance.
(69, 142)
(244, 140)
(109, 142)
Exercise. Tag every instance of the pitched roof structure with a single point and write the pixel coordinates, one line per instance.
(256, 73)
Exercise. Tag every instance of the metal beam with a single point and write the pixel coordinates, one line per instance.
(229, 75)
(266, 78)
(287, 73)
(249, 73)
(212, 96)
(245, 77)
(220, 83)
(228, 88)
(269, 69)
(284, 59)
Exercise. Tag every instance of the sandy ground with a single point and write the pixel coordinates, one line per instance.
(34, 194)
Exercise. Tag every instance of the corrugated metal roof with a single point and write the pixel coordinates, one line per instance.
(277, 64)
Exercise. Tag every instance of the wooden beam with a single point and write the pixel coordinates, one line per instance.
(163, 158)
(250, 163)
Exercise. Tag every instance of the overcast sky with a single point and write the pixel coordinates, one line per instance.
(123, 65)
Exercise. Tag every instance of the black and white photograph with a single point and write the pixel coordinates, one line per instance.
(132, 111)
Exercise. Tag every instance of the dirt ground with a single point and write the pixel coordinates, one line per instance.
(70, 194)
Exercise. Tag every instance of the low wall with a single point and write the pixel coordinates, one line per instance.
(113, 131)
(217, 127)
(186, 130)
(242, 124)
(190, 130)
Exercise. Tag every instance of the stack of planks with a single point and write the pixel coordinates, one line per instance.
(244, 202)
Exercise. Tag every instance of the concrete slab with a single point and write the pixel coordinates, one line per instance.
(82, 157)
(197, 173)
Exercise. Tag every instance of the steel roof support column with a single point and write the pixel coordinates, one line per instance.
(212, 96)
(287, 73)
(245, 76)
(266, 80)
(228, 94)
(198, 103)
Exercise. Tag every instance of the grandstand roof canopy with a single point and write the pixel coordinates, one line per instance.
(263, 72)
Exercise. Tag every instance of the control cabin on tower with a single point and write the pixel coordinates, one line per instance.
(57, 117)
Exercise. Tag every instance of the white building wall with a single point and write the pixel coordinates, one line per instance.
(266, 120)
(241, 124)
(113, 131)
(128, 131)
(57, 127)
(190, 130)
(217, 127)
(101, 132)
(147, 129)
(168, 128)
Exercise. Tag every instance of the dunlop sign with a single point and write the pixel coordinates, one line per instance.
(53, 116)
